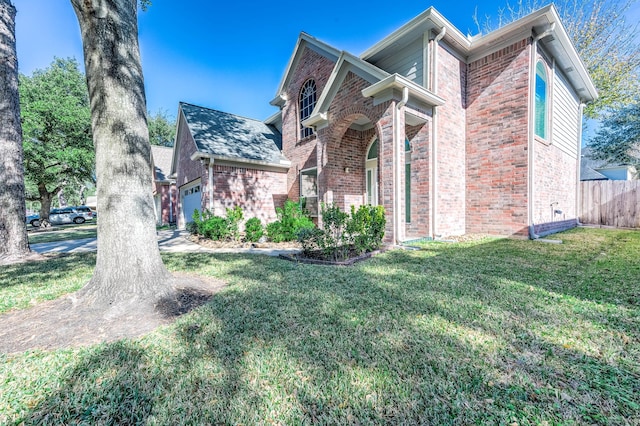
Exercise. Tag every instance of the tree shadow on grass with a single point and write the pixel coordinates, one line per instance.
(384, 342)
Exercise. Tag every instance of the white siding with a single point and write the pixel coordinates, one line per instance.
(565, 110)
(407, 62)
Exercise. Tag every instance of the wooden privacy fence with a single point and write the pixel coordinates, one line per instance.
(610, 203)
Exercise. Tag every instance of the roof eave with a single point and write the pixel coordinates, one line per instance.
(396, 81)
(430, 15)
(283, 164)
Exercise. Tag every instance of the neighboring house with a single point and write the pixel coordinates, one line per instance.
(593, 169)
(221, 160)
(164, 188)
(451, 134)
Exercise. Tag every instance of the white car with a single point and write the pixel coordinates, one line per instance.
(73, 214)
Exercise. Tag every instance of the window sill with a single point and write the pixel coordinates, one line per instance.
(545, 142)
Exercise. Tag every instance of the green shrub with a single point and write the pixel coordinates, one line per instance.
(335, 241)
(192, 228)
(234, 217)
(216, 228)
(253, 230)
(290, 221)
(362, 231)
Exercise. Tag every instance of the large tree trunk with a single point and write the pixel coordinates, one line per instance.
(129, 269)
(45, 199)
(13, 232)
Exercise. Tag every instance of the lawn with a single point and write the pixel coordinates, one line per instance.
(489, 332)
(63, 233)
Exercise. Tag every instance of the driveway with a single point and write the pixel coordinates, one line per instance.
(172, 241)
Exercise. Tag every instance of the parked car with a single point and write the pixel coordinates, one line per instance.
(73, 214)
(33, 220)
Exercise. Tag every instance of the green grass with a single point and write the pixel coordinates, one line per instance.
(490, 332)
(74, 232)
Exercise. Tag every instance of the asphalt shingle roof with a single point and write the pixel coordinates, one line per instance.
(162, 157)
(227, 135)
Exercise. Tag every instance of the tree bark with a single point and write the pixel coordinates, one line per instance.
(45, 199)
(129, 269)
(14, 243)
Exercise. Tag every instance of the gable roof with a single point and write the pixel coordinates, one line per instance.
(543, 21)
(161, 157)
(228, 137)
(304, 40)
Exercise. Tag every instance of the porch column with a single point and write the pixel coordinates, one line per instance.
(387, 171)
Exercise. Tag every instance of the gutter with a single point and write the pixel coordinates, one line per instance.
(283, 164)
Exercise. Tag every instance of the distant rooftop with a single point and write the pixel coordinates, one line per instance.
(162, 157)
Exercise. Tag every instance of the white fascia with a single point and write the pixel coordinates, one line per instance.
(397, 82)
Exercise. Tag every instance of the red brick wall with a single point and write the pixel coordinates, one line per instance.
(258, 192)
(187, 169)
(169, 209)
(555, 182)
(451, 155)
(301, 153)
(420, 138)
(341, 147)
(497, 137)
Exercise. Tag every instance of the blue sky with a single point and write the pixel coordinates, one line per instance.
(228, 55)
(225, 55)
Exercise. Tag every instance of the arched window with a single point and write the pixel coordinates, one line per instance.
(307, 103)
(541, 107)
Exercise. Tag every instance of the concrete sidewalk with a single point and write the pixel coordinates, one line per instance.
(172, 241)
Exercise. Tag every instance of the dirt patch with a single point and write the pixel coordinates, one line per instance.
(62, 323)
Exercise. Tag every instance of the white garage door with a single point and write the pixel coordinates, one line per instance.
(191, 199)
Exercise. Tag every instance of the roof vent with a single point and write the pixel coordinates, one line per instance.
(569, 69)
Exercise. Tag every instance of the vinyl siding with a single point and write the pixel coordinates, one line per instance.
(406, 62)
(565, 110)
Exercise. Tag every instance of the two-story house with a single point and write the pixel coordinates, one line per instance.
(451, 134)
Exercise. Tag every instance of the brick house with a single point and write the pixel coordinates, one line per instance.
(222, 160)
(451, 134)
(164, 188)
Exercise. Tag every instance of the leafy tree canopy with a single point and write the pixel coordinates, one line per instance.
(607, 42)
(162, 129)
(56, 122)
(618, 139)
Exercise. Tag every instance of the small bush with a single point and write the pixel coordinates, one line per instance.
(290, 221)
(216, 228)
(234, 217)
(342, 234)
(253, 230)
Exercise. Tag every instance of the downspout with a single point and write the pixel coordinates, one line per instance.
(434, 135)
(579, 185)
(210, 184)
(170, 203)
(398, 166)
(532, 138)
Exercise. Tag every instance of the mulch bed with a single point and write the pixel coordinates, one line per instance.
(318, 258)
(205, 242)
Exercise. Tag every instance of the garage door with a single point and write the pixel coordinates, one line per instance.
(191, 199)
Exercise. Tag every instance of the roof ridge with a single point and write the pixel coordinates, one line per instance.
(222, 112)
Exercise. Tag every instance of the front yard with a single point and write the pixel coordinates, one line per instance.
(484, 332)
